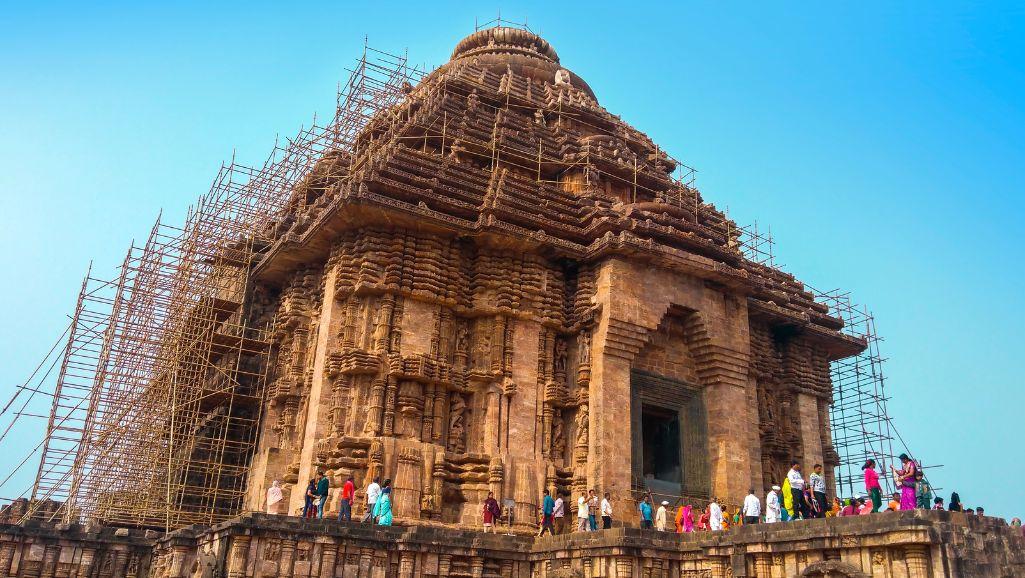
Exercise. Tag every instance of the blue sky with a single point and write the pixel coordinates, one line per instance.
(882, 143)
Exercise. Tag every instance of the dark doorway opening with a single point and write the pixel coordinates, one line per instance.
(660, 430)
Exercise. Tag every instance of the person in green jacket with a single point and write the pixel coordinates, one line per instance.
(322, 488)
(923, 492)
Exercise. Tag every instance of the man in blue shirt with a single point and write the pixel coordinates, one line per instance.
(547, 509)
(322, 488)
(645, 509)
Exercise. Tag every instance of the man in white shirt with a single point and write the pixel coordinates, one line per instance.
(559, 513)
(582, 515)
(660, 517)
(752, 508)
(714, 515)
(606, 512)
(818, 489)
(373, 493)
(772, 507)
(797, 490)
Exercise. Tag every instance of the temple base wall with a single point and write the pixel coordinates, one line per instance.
(901, 545)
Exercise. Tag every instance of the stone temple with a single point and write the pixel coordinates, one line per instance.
(494, 285)
(462, 314)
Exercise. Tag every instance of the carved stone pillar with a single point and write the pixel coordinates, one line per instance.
(376, 410)
(427, 421)
(319, 402)
(120, 563)
(328, 557)
(408, 483)
(391, 394)
(406, 560)
(718, 566)
(85, 565)
(477, 567)
(237, 556)
(507, 569)
(366, 558)
(285, 563)
(492, 397)
(624, 567)
(917, 559)
(50, 555)
(439, 406)
(444, 564)
(496, 477)
(178, 554)
(7, 557)
(383, 329)
(763, 565)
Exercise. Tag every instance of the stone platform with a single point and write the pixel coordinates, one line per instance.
(907, 544)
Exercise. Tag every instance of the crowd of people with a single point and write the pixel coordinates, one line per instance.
(797, 499)
(379, 500)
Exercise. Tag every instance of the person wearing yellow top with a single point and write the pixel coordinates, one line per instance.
(788, 501)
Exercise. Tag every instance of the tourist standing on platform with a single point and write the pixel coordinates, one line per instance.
(849, 509)
(592, 510)
(923, 491)
(678, 520)
(979, 511)
(323, 485)
(752, 508)
(703, 519)
(772, 507)
(606, 512)
(818, 490)
(797, 490)
(345, 503)
(894, 504)
(583, 524)
(491, 512)
(308, 499)
(715, 515)
(906, 480)
(645, 509)
(835, 510)
(373, 494)
(865, 507)
(559, 513)
(787, 512)
(274, 497)
(875, 491)
(547, 513)
(382, 509)
(955, 503)
(688, 519)
(811, 505)
(660, 517)
(937, 503)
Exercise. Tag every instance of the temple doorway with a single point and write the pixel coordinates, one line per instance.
(670, 437)
(660, 432)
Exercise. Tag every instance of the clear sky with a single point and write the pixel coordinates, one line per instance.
(883, 142)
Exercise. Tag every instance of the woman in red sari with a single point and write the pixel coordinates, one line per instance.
(906, 481)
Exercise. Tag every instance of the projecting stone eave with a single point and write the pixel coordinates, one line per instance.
(359, 209)
(837, 345)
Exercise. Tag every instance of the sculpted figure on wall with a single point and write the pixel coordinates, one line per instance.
(457, 427)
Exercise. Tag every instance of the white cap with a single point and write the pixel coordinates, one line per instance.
(665, 503)
(775, 487)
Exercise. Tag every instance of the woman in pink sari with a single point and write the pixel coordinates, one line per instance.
(688, 518)
(906, 480)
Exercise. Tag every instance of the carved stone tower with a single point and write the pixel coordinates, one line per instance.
(504, 288)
